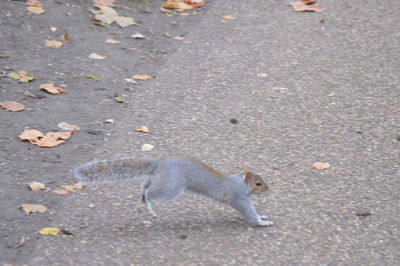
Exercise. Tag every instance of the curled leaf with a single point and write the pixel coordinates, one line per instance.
(50, 88)
(96, 56)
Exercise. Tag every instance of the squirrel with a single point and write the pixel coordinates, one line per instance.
(166, 179)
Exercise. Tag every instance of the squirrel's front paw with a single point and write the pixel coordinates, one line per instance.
(266, 223)
(264, 217)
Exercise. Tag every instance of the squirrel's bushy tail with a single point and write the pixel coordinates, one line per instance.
(112, 170)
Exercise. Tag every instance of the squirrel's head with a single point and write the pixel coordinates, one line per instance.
(254, 182)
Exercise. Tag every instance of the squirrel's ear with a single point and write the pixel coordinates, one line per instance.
(247, 176)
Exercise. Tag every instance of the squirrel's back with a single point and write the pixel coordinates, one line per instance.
(112, 170)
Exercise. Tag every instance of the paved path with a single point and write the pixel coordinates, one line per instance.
(331, 95)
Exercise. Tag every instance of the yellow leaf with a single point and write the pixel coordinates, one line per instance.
(74, 187)
(32, 208)
(49, 231)
(175, 4)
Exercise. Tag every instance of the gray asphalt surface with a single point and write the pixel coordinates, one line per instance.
(331, 95)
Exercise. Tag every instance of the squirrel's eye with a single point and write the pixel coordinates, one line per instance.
(258, 184)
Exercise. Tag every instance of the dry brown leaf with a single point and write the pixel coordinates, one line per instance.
(33, 3)
(35, 10)
(321, 166)
(20, 243)
(50, 88)
(60, 192)
(96, 56)
(142, 77)
(12, 106)
(36, 186)
(143, 129)
(176, 4)
(112, 41)
(306, 5)
(53, 44)
(51, 139)
(32, 208)
(73, 188)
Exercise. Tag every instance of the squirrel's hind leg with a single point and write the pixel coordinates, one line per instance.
(147, 201)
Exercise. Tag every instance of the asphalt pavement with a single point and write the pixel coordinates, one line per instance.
(304, 88)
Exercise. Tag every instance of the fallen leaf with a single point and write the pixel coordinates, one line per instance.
(35, 10)
(60, 192)
(131, 81)
(176, 4)
(49, 231)
(321, 166)
(118, 100)
(51, 139)
(306, 5)
(12, 106)
(103, 2)
(110, 120)
(96, 56)
(53, 29)
(32, 208)
(73, 188)
(138, 35)
(91, 77)
(195, 3)
(143, 129)
(53, 44)
(33, 3)
(66, 126)
(50, 88)
(20, 243)
(64, 37)
(228, 17)
(36, 186)
(108, 15)
(179, 38)
(147, 147)
(262, 75)
(112, 41)
(142, 77)
(22, 76)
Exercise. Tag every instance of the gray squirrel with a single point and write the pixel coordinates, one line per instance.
(166, 179)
